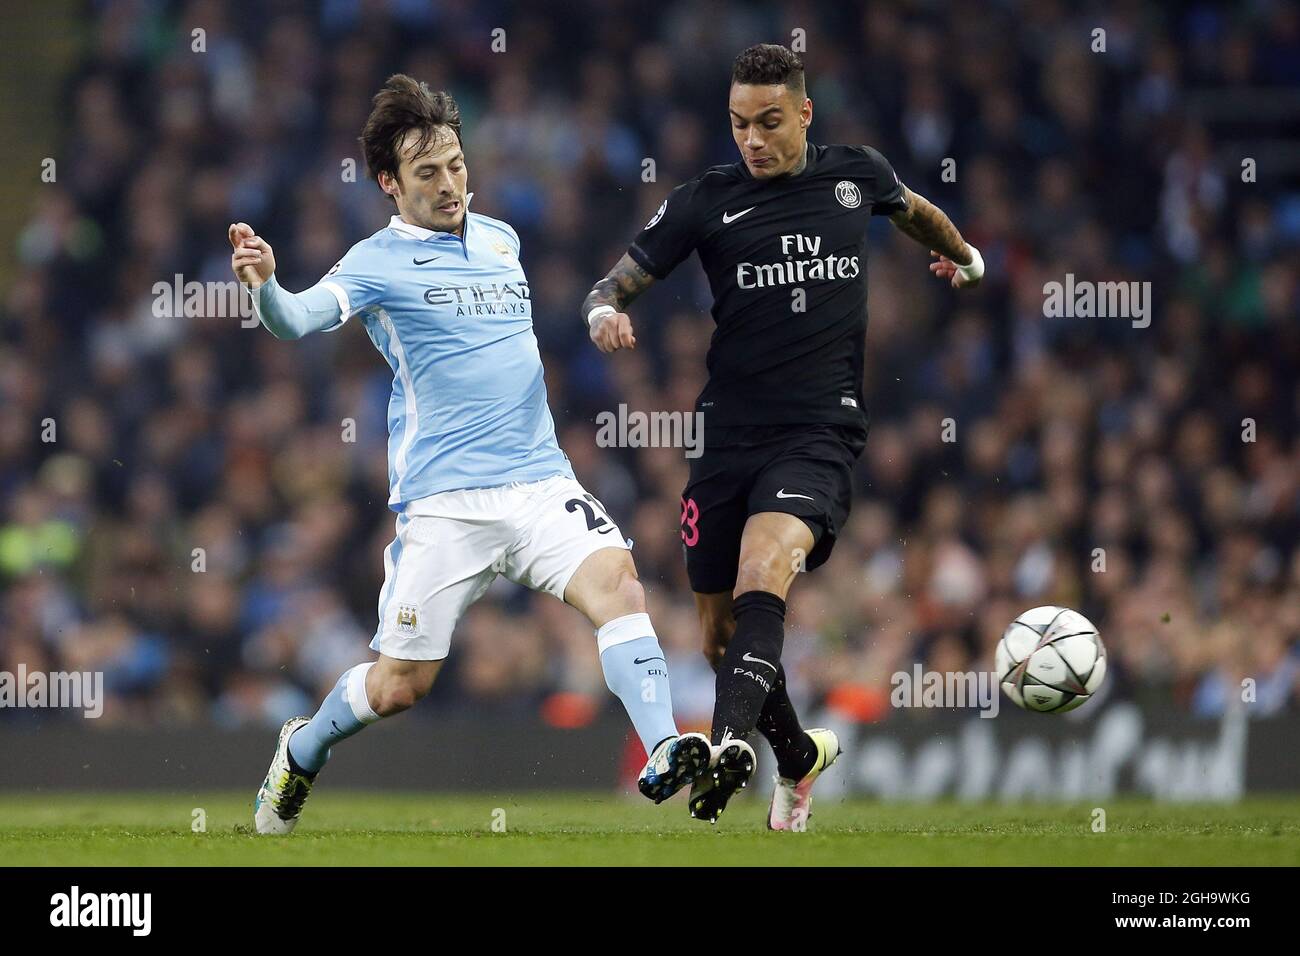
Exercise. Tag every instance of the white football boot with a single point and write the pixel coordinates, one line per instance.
(729, 772)
(676, 762)
(792, 799)
(279, 801)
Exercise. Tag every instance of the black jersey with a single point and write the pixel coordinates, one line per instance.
(786, 260)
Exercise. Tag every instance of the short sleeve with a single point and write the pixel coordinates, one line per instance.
(515, 245)
(670, 235)
(355, 281)
(888, 195)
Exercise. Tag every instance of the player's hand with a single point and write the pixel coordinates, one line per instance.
(613, 331)
(945, 268)
(252, 260)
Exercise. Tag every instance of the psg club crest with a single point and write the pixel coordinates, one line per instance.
(407, 621)
(659, 214)
(848, 195)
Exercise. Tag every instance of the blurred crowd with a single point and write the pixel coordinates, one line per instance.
(183, 507)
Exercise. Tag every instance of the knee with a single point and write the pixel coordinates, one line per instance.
(395, 692)
(628, 591)
(605, 587)
(764, 569)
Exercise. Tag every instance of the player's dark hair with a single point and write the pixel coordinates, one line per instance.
(769, 64)
(404, 104)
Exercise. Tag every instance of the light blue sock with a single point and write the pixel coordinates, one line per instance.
(344, 711)
(636, 671)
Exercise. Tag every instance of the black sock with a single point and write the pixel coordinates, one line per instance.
(750, 665)
(795, 751)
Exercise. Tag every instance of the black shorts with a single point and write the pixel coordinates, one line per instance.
(801, 470)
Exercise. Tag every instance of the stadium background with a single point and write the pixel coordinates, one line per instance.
(178, 433)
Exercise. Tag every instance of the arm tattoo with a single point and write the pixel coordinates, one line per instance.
(927, 224)
(625, 282)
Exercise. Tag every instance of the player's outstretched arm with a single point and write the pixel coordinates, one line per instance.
(925, 222)
(604, 308)
(287, 315)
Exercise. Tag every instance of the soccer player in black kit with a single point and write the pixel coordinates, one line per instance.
(782, 237)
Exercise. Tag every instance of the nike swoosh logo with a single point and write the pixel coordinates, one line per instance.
(756, 660)
(640, 660)
(422, 262)
(732, 217)
(782, 494)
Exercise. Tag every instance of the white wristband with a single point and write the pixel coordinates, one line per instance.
(975, 268)
(597, 312)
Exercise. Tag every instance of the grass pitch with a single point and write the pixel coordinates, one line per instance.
(388, 829)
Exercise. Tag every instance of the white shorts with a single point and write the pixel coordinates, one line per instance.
(451, 546)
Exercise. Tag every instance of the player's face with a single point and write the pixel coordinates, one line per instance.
(430, 186)
(770, 126)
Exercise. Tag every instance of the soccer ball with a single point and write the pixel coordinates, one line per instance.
(1050, 659)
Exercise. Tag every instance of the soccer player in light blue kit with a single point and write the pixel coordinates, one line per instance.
(479, 484)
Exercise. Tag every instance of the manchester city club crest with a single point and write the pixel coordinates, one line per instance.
(408, 621)
(848, 195)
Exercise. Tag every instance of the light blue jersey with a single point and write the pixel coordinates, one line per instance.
(453, 319)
